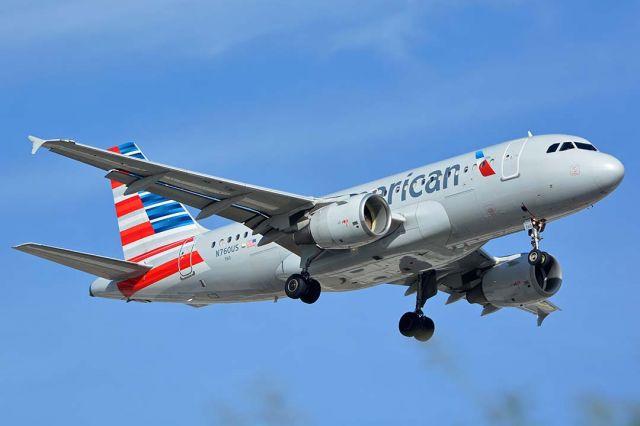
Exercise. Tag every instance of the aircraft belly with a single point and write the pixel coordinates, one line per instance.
(388, 269)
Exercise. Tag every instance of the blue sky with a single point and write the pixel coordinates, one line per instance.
(309, 98)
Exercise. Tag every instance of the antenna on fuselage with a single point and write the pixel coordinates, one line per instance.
(529, 133)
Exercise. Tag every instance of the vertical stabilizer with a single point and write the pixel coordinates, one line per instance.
(150, 225)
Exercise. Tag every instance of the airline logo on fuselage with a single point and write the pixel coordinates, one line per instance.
(417, 186)
(483, 164)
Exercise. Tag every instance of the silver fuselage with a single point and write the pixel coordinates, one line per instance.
(449, 210)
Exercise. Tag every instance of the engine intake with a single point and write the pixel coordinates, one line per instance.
(517, 283)
(362, 219)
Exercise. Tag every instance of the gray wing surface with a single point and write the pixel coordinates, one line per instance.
(261, 209)
(462, 275)
(100, 266)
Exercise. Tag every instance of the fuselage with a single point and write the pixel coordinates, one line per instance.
(446, 209)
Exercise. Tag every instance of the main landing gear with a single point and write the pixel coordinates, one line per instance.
(416, 324)
(303, 287)
(536, 256)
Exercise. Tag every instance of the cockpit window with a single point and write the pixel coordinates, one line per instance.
(553, 148)
(585, 146)
(566, 146)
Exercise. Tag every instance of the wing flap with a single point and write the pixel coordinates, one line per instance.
(100, 266)
(541, 309)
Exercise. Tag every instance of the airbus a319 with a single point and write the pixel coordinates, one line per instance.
(422, 229)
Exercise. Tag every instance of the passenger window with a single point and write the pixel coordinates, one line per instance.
(222, 241)
(566, 146)
(229, 239)
(553, 148)
(246, 234)
(237, 237)
(466, 169)
(213, 244)
(585, 146)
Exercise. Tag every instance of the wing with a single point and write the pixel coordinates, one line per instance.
(456, 277)
(100, 266)
(460, 276)
(266, 211)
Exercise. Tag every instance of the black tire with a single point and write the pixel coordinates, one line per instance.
(313, 292)
(295, 286)
(425, 330)
(546, 259)
(534, 257)
(408, 324)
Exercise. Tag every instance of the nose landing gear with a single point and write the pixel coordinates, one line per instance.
(535, 227)
(416, 324)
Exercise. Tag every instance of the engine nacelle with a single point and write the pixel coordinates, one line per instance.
(517, 283)
(360, 220)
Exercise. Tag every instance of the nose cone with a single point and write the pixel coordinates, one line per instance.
(609, 173)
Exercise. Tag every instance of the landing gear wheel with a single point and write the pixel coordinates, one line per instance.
(408, 324)
(536, 257)
(425, 329)
(296, 286)
(535, 228)
(546, 259)
(313, 292)
(415, 324)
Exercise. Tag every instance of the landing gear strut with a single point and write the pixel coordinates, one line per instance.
(416, 324)
(303, 287)
(535, 228)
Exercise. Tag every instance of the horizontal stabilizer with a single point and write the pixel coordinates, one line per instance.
(100, 266)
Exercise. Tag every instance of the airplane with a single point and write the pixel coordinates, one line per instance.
(422, 229)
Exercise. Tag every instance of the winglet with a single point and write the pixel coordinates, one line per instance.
(36, 143)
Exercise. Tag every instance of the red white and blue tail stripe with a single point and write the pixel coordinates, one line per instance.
(150, 225)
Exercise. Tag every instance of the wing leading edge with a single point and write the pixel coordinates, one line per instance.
(266, 211)
(100, 266)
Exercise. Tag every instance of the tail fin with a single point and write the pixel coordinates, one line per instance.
(149, 224)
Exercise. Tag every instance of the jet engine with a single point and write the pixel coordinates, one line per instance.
(517, 283)
(355, 222)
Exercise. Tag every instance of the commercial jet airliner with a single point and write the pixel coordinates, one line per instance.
(422, 229)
